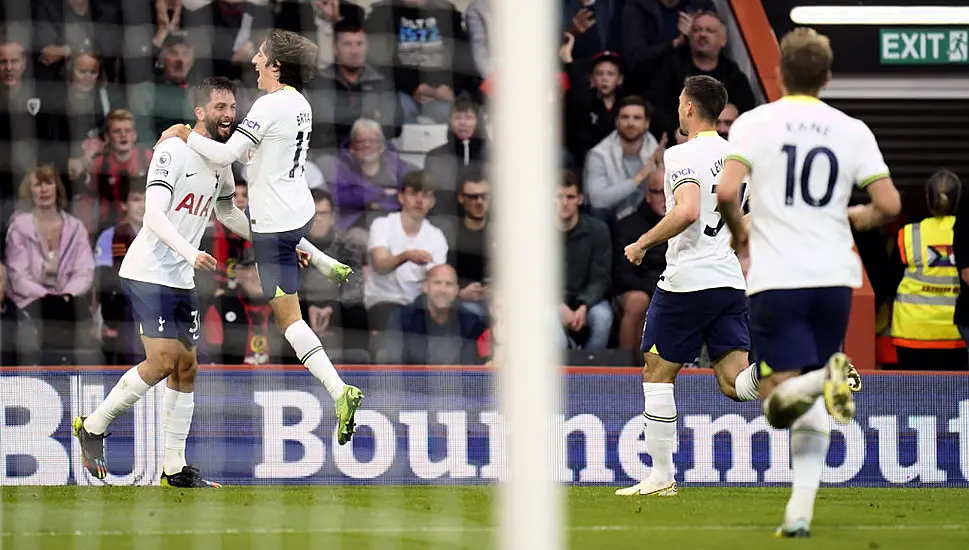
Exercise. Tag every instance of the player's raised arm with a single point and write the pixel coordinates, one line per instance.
(685, 211)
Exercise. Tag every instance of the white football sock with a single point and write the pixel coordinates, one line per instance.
(318, 258)
(125, 393)
(809, 448)
(660, 417)
(747, 384)
(310, 352)
(178, 421)
(793, 397)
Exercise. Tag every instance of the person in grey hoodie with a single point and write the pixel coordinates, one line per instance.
(617, 169)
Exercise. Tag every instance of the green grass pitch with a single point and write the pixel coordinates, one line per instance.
(462, 518)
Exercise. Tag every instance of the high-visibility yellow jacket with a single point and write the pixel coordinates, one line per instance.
(926, 298)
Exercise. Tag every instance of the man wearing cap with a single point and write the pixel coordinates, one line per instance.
(590, 103)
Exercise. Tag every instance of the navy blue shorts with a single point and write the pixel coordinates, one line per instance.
(678, 324)
(164, 312)
(277, 262)
(799, 329)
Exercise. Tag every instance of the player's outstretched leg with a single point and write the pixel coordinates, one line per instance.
(794, 396)
(660, 416)
(809, 447)
(90, 429)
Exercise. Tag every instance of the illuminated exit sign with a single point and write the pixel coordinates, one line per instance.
(924, 46)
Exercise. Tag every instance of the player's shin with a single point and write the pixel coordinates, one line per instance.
(179, 408)
(660, 415)
(809, 447)
(125, 393)
(310, 351)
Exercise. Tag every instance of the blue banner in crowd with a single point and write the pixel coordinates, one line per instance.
(441, 427)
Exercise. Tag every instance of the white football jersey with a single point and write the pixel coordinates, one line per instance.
(700, 257)
(195, 185)
(279, 124)
(805, 157)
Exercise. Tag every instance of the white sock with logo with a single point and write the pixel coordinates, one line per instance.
(810, 435)
(179, 407)
(125, 393)
(310, 351)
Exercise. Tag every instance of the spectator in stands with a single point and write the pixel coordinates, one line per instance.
(142, 30)
(924, 326)
(51, 264)
(119, 340)
(424, 44)
(238, 327)
(165, 100)
(651, 29)
(317, 20)
(366, 177)
(64, 27)
(350, 89)
(596, 25)
(225, 35)
(585, 312)
(119, 161)
(328, 306)
(634, 285)
(704, 56)
(478, 20)
(402, 247)
(469, 248)
(726, 119)
(466, 149)
(81, 113)
(26, 125)
(590, 101)
(617, 169)
(433, 330)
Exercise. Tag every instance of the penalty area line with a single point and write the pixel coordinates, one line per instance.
(455, 529)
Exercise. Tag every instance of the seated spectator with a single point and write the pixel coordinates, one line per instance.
(317, 20)
(402, 247)
(703, 56)
(119, 339)
(119, 161)
(81, 112)
(165, 100)
(51, 266)
(590, 101)
(225, 35)
(618, 168)
(331, 310)
(433, 330)
(425, 46)
(466, 148)
(366, 177)
(64, 27)
(350, 89)
(585, 313)
(26, 125)
(238, 327)
(653, 29)
(469, 248)
(634, 285)
(478, 20)
(726, 120)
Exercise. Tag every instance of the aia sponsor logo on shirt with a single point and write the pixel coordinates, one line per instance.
(195, 204)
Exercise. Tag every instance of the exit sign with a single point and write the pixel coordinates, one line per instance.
(924, 46)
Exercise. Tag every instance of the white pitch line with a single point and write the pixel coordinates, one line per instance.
(455, 529)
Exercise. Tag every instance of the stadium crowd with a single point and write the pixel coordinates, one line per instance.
(88, 85)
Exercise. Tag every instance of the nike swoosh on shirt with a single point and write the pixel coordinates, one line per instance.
(190, 175)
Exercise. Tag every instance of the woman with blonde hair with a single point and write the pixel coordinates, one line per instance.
(49, 261)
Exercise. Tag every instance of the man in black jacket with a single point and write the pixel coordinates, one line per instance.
(589, 104)
(651, 29)
(466, 150)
